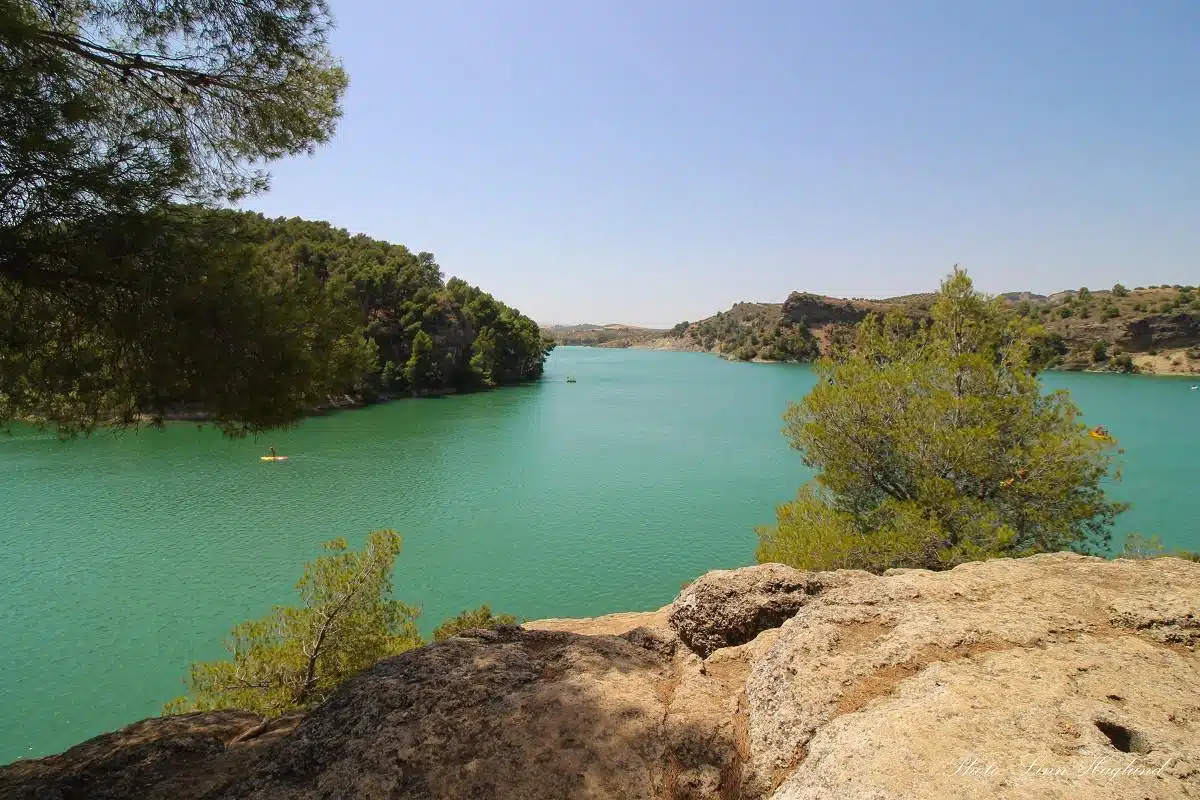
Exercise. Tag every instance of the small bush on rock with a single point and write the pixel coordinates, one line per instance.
(481, 617)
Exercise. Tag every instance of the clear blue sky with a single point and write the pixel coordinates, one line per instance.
(653, 161)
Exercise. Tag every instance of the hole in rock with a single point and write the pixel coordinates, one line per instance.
(1122, 738)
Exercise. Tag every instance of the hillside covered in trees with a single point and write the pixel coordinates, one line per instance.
(427, 334)
(265, 320)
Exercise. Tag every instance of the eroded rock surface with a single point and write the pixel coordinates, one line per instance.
(184, 757)
(1053, 676)
(725, 608)
(909, 685)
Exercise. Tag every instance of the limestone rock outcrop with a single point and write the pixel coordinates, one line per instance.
(725, 608)
(1052, 676)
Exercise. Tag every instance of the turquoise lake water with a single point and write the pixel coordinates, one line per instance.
(126, 558)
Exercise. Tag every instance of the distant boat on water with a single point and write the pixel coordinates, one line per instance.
(572, 380)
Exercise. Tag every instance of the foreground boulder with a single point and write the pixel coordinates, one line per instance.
(725, 608)
(1052, 676)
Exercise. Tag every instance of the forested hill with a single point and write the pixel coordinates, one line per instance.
(248, 321)
(419, 332)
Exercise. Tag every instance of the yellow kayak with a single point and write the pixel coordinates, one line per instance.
(1100, 436)
(273, 458)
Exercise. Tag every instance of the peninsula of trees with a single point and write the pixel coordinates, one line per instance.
(410, 330)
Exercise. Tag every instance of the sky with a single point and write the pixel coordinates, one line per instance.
(653, 161)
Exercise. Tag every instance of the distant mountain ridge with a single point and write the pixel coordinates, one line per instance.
(611, 335)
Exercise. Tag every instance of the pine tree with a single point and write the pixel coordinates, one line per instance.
(934, 444)
(296, 656)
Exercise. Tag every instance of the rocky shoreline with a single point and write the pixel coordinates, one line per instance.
(342, 403)
(1052, 676)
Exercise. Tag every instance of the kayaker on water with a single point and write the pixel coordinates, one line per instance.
(272, 450)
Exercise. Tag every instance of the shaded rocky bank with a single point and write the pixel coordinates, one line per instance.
(1056, 675)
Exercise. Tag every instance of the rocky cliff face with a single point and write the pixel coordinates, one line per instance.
(1161, 330)
(816, 311)
(1052, 676)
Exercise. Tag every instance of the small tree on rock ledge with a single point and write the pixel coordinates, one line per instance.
(296, 657)
(934, 445)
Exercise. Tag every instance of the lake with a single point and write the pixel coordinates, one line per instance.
(126, 558)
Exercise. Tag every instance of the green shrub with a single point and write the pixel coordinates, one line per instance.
(481, 617)
(1119, 291)
(1099, 352)
(1139, 546)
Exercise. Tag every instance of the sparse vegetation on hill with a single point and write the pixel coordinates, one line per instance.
(1150, 329)
(1153, 329)
(801, 328)
(755, 331)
